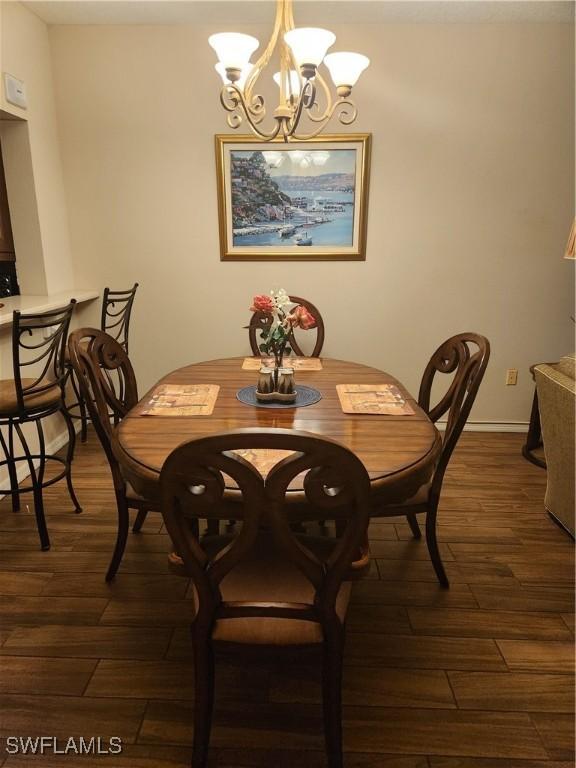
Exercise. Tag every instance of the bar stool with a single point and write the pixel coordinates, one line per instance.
(115, 321)
(38, 344)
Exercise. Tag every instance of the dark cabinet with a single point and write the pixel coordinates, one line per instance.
(8, 279)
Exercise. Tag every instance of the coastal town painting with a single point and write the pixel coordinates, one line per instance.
(293, 201)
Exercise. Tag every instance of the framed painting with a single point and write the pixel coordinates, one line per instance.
(305, 201)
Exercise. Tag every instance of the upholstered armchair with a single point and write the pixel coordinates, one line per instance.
(557, 398)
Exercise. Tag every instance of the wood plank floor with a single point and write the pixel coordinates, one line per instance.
(480, 676)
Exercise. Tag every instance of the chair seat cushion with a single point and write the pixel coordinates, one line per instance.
(567, 365)
(131, 494)
(267, 577)
(419, 500)
(32, 403)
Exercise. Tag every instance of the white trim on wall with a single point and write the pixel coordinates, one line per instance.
(491, 426)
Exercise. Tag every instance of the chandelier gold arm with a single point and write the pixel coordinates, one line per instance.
(264, 59)
(306, 101)
(347, 114)
(233, 101)
(320, 82)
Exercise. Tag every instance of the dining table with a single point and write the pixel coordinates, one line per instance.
(399, 452)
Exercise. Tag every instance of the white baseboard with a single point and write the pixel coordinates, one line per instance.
(52, 446)
(491, 426)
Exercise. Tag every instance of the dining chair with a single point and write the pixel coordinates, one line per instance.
(115, 321)
(108, 385)
(260, 321)
(36, 392)
(263, 585)
(466, 356)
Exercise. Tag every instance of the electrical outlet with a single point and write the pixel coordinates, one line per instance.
(511, 377)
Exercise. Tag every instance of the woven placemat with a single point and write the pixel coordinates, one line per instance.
(298, 363)
(304, 396)
(383, 399)
(181, 400)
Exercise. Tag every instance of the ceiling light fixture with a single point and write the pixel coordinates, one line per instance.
(302, 50)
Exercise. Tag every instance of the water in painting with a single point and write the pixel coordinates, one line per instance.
(291, 197)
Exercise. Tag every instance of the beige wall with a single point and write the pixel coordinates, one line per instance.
(31, 151)
(471, 197)
(32, 157)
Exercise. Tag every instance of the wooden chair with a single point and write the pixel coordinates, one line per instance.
(108, 386)
(36, 392)
(453, 356)
(260, 321)
(265, 585)
(115, 321)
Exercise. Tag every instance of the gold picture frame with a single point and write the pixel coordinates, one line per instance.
(295, 201)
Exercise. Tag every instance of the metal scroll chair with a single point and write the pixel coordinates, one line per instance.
(260, 321)
(263, 584)
(466, 356)
(36, 392)
(116, 314)
(108, 385)
(115, 321)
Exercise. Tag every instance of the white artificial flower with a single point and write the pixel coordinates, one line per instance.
(281, 298)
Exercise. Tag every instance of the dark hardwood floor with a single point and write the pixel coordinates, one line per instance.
(480, 676)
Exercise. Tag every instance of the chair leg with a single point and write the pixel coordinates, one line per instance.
(36, 490)
(121, 538)
(332, 701)
(414, 527)
(8, 450)
(203, 700)
(432, 543)
(41, 519)
(139, 522)
(69, 459)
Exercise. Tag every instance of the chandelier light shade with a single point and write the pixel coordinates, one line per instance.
(303, 91)
(345, 68)
(309, 46)
(233, 51)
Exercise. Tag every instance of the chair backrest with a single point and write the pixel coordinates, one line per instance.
(192, 486)
(38, 347)
(116, 312)
(466, 356)
(107, 382)
(260, 321)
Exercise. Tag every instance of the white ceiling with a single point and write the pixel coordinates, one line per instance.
(307, 12)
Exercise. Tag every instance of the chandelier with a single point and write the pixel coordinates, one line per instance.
(303, 90)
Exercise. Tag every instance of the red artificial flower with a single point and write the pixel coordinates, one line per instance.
(301, 318)
(262, 303)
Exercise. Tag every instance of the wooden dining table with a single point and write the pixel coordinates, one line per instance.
(398, 451)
